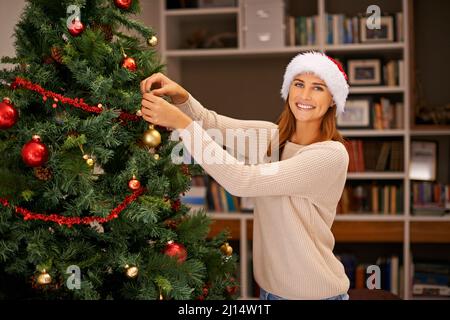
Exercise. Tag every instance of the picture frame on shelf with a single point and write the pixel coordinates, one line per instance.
(364, 72)
(423, 162)
(357, 114)
(384, 34)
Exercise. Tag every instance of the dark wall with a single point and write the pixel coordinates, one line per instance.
(432, 49)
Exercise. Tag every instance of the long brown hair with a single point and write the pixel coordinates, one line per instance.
(286, 127)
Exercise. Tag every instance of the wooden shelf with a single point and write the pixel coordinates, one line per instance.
(361, 47)
(368, 217)
(376, 89)
(200, 11)
(238, 52)
(390, 230)
(430, 132)
(344, 231)
(233, 226)
(430, 232)
(372, 133)
(375, 175)
(368, 231)
(445, 218)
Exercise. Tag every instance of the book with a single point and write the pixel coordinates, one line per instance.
(423, 160)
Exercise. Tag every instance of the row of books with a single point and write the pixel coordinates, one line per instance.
(431, 279)
(341, 29)
(394, 73)
(371, 198)
(430, 198)
(359, 273)
(387, 115)
(302, 31)
(370, 155)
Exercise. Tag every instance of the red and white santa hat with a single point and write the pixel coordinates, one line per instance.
(326, 68)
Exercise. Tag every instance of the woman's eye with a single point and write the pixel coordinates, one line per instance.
(318, 88)
(299, 84)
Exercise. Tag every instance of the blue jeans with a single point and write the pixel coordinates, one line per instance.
(264, 295)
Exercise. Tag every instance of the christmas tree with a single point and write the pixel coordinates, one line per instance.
(89, 196)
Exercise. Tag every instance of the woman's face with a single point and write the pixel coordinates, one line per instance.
(309, 97)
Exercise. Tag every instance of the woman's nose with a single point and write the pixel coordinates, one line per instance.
(306, 94)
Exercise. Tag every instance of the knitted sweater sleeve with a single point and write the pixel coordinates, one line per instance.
(244, 139)
(313, 172)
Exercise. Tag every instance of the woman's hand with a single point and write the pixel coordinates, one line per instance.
(158, 111)
(164, 87)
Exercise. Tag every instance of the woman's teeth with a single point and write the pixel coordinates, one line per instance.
(304, 106)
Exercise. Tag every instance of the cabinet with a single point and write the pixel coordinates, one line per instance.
(211, 53)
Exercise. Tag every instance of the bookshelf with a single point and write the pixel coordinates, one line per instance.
(261, 70)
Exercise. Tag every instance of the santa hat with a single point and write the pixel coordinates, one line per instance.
(326, 68)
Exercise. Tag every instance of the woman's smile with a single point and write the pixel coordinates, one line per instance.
(305, 107)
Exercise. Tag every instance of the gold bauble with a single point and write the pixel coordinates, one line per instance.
(156, 156)
(90, 162)
(44, 278)
(131, 272)
(153, 41)
(226, 249)
(151, 137)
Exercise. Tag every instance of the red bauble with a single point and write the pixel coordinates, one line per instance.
(8, 114)
(231, 290)
(176, 250)
(176, 205)
(35, 153)
(134, 184)
(129, 63)
(76, 28)
(123, 4)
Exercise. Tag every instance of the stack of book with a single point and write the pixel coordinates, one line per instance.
(373, 198)
(430, 198)
(389, 276)
(431, 280)
(369, 155)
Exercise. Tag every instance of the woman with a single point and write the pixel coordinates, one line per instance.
(296, 197)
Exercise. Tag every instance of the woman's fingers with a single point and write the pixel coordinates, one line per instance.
(148, 119)
(148, 114)
(155, 79)
(160, 92)
(150, 97)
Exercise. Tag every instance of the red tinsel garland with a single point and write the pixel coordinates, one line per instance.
(70, 221)
(77, 103)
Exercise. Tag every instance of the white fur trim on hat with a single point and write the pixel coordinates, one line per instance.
(323, 67)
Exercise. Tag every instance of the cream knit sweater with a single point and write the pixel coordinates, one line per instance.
(294, 208)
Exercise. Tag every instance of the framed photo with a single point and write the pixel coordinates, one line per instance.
(357, 114)
(423, 160)
(384, 34)
(364, 72)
